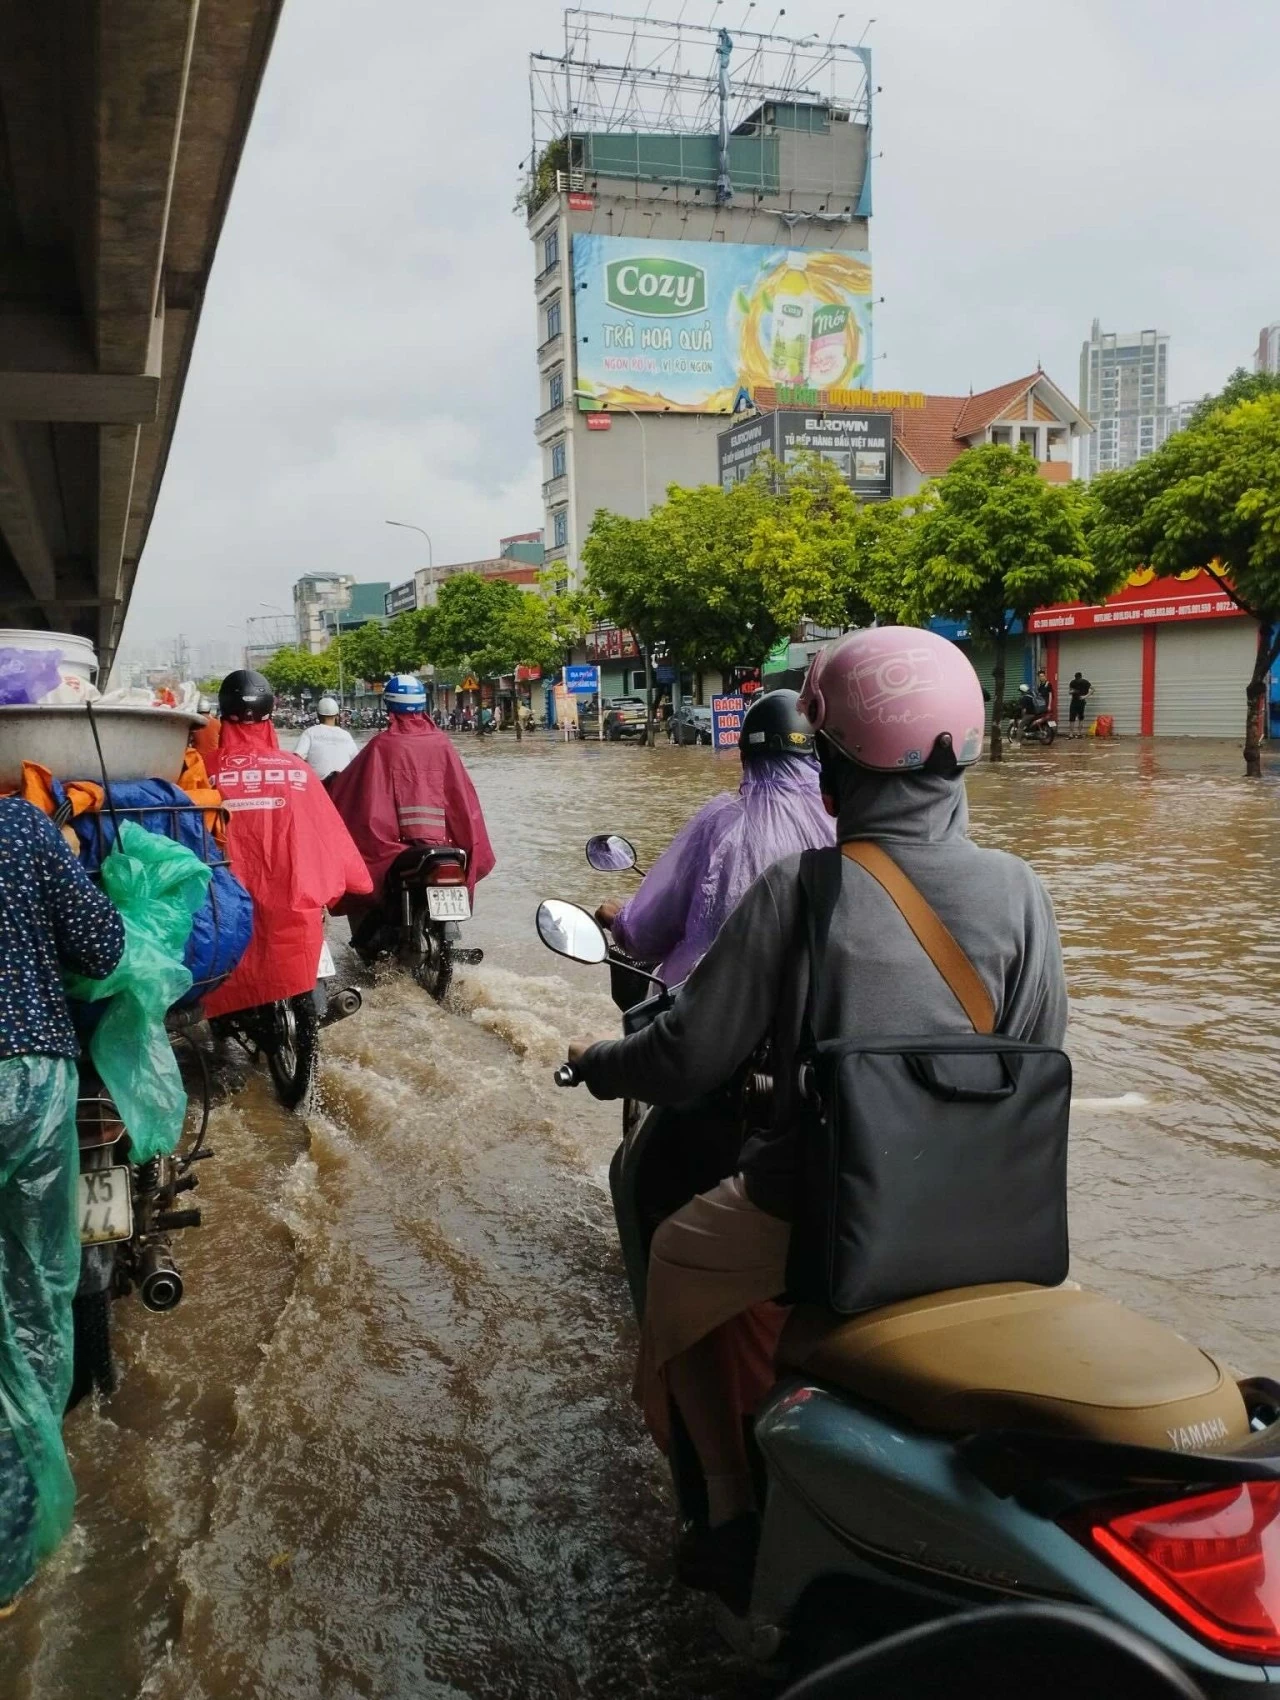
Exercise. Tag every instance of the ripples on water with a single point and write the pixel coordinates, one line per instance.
(384, 1446)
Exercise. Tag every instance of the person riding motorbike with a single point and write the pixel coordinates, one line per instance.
(52, 917)
(408, 786)
(326, 746)
(898, 715)
(693, 886)
(287, 846)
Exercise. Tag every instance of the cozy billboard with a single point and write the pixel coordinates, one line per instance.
(686, 326)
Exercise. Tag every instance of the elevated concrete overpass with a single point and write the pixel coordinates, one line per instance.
(121, 128)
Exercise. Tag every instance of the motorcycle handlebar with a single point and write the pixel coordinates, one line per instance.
(567, 1075)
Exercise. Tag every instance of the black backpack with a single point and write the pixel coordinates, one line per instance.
(923, 1163)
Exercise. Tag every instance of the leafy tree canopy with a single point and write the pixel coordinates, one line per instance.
(291, 670)
(1209, 495)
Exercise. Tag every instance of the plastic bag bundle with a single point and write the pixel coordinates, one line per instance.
(157, 886)
(39, 1269)
(27, 675)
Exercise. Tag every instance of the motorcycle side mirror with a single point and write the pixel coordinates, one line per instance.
(571, 932)
(608, 853)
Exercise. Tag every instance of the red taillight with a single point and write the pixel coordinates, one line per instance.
(447, 873)
(1213, 1561)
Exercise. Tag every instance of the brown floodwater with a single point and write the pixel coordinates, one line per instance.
(384, 1447)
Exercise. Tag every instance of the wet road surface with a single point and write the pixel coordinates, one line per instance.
(384, 1446)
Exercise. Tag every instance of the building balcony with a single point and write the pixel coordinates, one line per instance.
(551, 346)
(557, 552)
(555, 489)
(553, 416)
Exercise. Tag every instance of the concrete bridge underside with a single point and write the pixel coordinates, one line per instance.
(121, 127)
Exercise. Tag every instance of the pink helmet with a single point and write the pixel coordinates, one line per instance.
(885, 695)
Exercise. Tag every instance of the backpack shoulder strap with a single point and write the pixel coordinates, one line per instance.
(819, 888)
(938, 944)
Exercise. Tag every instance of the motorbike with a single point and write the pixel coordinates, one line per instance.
(424, 898)
(988, 1445)
(1031, 723)
(287, 1033)
(1052, 1651)
(128, 1214)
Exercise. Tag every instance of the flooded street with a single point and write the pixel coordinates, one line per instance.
(384, 1447)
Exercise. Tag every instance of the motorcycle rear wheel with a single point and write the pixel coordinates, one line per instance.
(434, 968)
(294, 1054)
(94, 1364)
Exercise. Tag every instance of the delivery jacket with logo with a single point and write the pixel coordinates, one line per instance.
(288, 846)
(410, 786)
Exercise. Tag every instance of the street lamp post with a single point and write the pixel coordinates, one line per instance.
(431, 565)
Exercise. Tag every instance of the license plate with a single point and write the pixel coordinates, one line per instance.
(327, 969)
(106, 1205)
(448, 903)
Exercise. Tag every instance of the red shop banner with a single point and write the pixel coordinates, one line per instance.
(1145, 600)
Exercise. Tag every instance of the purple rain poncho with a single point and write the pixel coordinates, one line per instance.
(698, 880)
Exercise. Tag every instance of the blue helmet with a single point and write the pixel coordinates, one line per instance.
(403, 694)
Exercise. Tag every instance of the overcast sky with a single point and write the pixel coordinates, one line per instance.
(367, 345)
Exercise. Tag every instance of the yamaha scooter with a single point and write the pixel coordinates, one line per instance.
(982, 1446)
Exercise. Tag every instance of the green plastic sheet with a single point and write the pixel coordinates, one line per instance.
(39, 1269)
(157, 885)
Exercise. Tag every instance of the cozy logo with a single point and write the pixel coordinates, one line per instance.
(659, 288)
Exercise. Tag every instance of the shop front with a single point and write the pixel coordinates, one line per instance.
(1168, 657)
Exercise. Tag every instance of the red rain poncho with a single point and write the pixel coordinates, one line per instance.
(291, 850)
(409, 786)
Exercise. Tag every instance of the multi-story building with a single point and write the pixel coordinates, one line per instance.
(1124, 395)
(315, 595)
(1266, 357)
(695, 234)
(518, 561)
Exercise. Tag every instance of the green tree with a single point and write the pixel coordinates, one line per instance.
(684, 577)
(1209, 496)
(822, 555)
(291, 670)
(366, 652)
(1240, 386)
(994, 541)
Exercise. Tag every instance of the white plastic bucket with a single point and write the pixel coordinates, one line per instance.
(79, 659)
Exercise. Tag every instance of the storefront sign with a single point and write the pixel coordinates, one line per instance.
(582, 681)
(726, 722)
(526, 675)
(401, 598)
(607, 643)
(599, 422)
(858, 445)
(769, 396)
(1145, 600)
(685, 327)
(578, 202)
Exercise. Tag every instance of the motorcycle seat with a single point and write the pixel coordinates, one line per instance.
(1056, 1360)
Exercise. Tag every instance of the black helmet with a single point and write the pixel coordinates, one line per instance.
(244, 695)
(774, 726)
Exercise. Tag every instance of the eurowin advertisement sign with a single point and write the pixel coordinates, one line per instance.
(685, 327)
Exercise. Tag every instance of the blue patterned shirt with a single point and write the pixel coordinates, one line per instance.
(51, 916)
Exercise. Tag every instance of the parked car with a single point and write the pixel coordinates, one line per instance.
(690, 724)
(624, 717)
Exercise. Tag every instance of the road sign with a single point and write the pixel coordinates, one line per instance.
(726, 721)
(582, 681)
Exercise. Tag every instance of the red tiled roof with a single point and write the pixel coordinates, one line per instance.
(934, 435)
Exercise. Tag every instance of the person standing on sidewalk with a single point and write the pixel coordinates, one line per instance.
(1078, 688)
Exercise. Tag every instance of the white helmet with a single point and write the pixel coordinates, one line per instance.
(327, 706)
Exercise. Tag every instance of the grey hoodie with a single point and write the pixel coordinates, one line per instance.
(877, 981)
